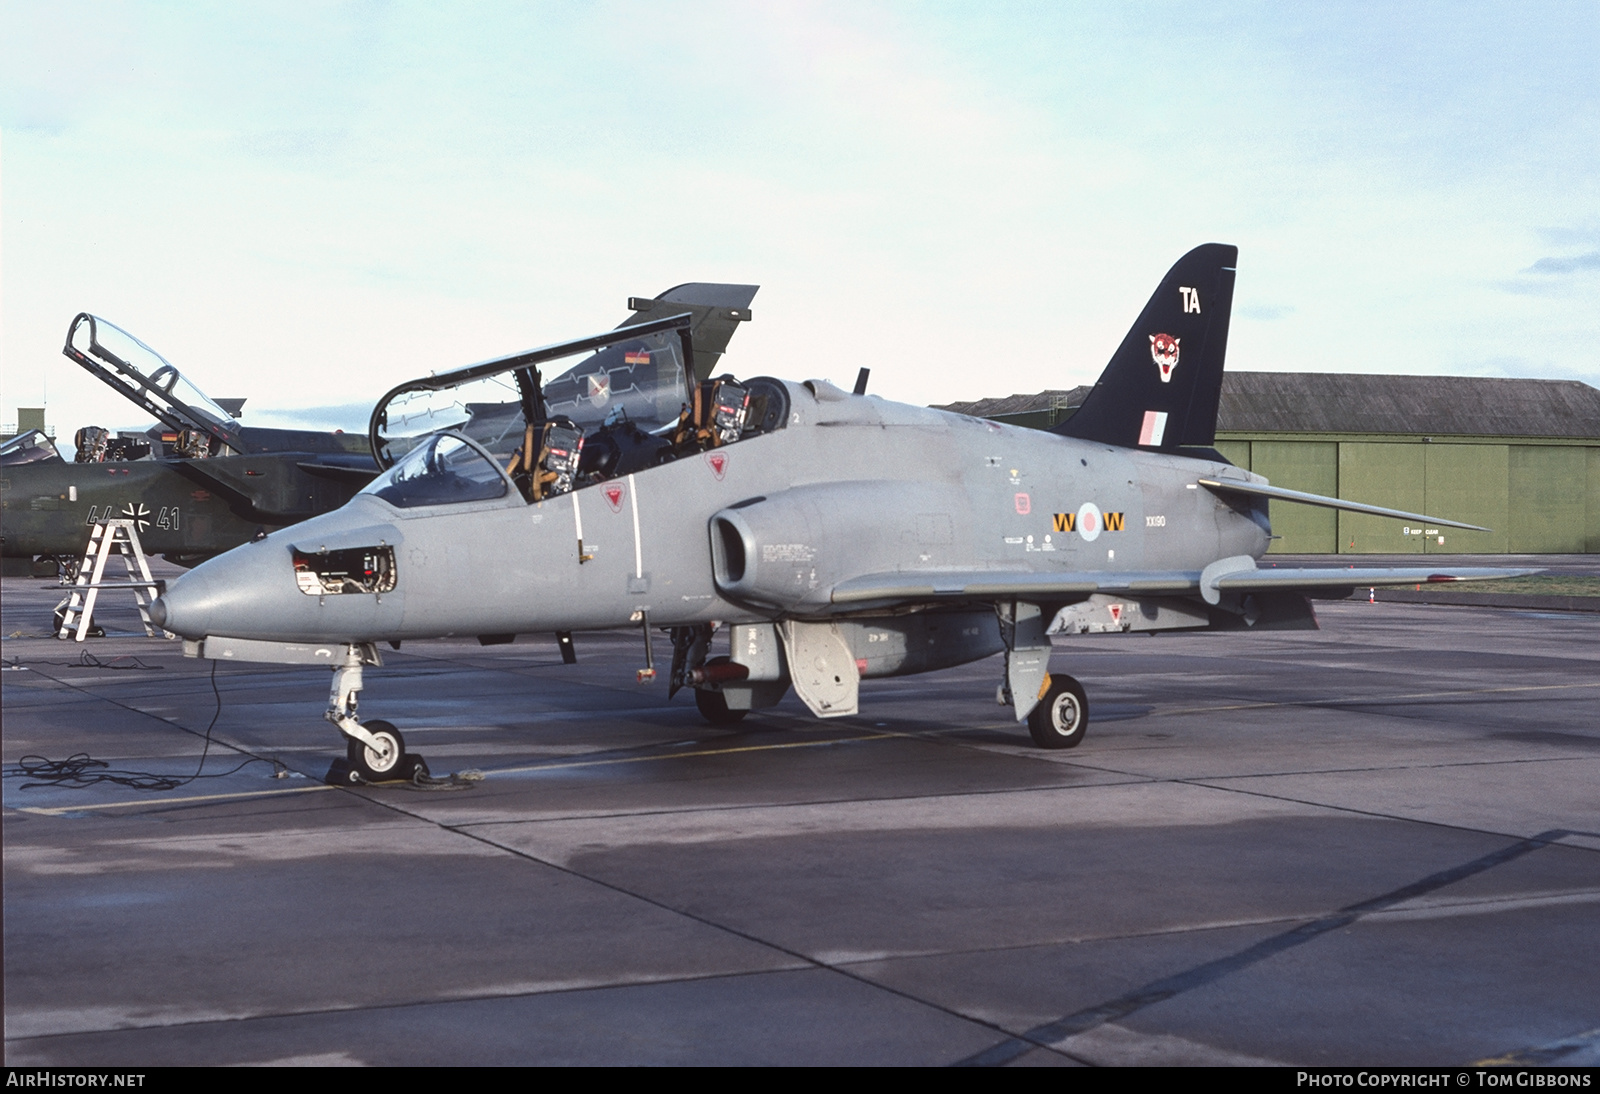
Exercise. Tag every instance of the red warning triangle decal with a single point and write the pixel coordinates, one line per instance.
(718, 462)
(613, 495)
(1116, 613)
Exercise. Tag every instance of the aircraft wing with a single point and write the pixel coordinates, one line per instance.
(1361, 577)
(342, 472)
(273, 496)
(1229, 575)
(998, 584)
(1262, 490)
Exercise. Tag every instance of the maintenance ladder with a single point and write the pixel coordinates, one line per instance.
(106, 538)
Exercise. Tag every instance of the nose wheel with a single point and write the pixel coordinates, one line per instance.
(1062, 716)
(380, 762)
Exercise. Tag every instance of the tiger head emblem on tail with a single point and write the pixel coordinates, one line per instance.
(1164, 349)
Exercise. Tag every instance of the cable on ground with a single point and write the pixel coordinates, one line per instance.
(82, 770)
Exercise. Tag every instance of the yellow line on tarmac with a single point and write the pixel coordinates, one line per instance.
(55, 811)
(685, 755)
(1367, 699)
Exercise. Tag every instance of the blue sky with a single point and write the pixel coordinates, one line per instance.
(305, 204)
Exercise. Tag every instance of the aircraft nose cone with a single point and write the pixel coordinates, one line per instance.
(185, 608)
(252, 591)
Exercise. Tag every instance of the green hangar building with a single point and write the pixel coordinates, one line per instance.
(1519, 456)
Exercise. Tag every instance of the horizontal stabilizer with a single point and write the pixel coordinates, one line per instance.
(1261, 490)
(1359, 577)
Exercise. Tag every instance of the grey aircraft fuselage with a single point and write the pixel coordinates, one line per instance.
(845, 537)
(894, 488)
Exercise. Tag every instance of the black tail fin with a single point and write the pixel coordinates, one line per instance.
(1162, 385)
(717, 309)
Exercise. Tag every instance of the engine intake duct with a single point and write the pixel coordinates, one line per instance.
(787, 551)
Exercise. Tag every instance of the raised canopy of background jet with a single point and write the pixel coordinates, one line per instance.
(198, 483)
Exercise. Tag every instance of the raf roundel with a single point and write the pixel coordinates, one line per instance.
(1089, 522)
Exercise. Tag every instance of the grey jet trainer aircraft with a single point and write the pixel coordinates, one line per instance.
(833, 536)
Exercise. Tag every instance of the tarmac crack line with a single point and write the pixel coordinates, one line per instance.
(806, 803)
(1369, 700)
(58, 810)
(943, 735)
(1207, 780)
(1049, 1034)
(560, 764)
(434, 1001)
(1387, 816)
(806, 960)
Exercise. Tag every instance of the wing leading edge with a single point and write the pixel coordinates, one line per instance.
(1262, 490)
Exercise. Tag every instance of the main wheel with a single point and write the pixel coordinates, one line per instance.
(95, 630)
(713, 705)
(376, 766)
(1062, 716)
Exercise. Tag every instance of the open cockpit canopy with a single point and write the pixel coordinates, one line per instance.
(636, 374)
(151, 382)
(632, 402)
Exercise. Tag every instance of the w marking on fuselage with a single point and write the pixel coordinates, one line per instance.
(1068, 522)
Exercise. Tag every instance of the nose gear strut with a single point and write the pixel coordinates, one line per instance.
(376, 751)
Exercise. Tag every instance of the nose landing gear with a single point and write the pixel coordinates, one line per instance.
(376, 752)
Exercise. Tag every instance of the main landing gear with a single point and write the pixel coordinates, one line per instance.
(1055, 707)
(376, 751)
(713, 705)
(1062, 716)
